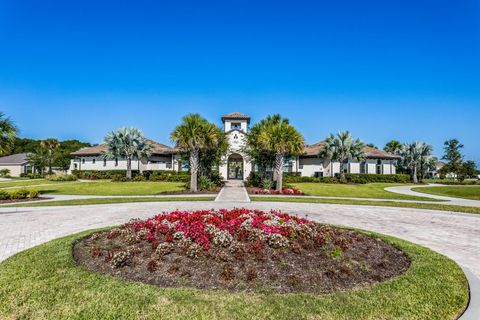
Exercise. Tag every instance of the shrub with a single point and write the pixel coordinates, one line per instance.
(4, 195)
(4, 173)
(118, 178)
(254, 179)
(139, 178)
(20, 194)
(121, 259)
(359, 178)
(100, 174)
(205, 183)
(31, 175)
(34, 193)
(61, 177)
(167, 175)
(267, 184)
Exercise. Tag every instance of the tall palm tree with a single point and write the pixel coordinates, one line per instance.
(8, 132)
(393, 147)
(415, 154)
(127, 143)
(50, 145)
(342, 148)
(281, 138)
(191, 136)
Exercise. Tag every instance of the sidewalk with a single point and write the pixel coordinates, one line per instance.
(233, 191)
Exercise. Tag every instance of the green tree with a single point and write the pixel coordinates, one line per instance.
(262, 158)
(192, 136)
(127, 143)
(452, 154)
(393, 147)
(415, 154)
(8, 132)
(210, 159)
(282, 139)
(468, 170)
(342, 148)
(50, 146)
(62, 155)
(39, 159)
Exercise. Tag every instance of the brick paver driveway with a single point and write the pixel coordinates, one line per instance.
(455, 235)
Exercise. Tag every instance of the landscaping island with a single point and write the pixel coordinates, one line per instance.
(50, 282)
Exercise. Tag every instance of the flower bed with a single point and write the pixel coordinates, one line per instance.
(286, 191)
(240, 249)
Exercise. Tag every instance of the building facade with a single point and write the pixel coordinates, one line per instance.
(236, 165)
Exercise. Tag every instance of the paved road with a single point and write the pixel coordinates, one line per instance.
(455, 235)
(448, 200)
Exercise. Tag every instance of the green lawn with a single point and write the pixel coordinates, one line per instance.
(27, 183)
(44, 283)
(370, 190)
(467, 192)
(429, 206)
(108, 188)
(107, 201)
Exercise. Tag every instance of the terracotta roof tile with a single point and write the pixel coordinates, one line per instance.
(236, 115)
(313, 149)
(158, 148)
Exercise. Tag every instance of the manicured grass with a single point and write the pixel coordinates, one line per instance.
(44, 283)
(432, 206)
(27, 183)
(369, 190)
(467, 192)
(107, 201)
(108, 188)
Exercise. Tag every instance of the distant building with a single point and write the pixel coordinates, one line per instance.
(237, 165)
(17, 164)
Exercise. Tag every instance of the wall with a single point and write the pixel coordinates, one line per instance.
(163, 163)
(15, 170)
(308, 166)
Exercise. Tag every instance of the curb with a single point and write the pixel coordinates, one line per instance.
(473, 308)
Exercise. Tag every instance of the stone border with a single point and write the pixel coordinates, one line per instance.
(473, 308)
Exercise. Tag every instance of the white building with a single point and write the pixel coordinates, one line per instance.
(236, 164)
(16, 164)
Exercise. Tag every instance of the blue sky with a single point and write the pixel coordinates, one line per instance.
(406, 70)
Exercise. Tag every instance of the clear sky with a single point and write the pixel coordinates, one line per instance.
(406, 70)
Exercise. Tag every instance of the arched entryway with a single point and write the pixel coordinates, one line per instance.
(235, 167)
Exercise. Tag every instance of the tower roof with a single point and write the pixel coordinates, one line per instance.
(236, 116)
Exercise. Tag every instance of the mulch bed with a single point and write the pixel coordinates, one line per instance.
(22, 200)
(240, 250)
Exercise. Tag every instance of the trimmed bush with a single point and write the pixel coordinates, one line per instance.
(31, 175)
(359, 178)
(61, 177)
(100, 174)
(167, 175)
(20, 194)
(4, 173)
(34, 193)
(139, 178)
(4, 195)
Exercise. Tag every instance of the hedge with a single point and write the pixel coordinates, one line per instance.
(119, 175)
(19, 194)
(359, 178)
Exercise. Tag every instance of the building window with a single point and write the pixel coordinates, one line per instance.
(75, 166)
(116, 162)
(83, 160)
(104, 162)
(93, 161)
(379, 166)
(236, 125)
(363, 167)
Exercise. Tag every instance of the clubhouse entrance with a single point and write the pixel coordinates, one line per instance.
(235, 167)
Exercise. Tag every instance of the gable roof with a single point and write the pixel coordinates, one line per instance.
(19, 158)
(314, 149)
(158, 148)
(236, 116)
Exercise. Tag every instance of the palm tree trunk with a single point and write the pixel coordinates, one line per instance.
(279, 170)
(341, 172)
(193, 170)
(129, 167)
(415, 178)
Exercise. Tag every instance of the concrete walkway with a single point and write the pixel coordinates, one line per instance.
(407, 190)
(234, 190)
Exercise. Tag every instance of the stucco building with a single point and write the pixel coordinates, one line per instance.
(236, 164)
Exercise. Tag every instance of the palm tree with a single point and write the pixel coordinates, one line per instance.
(342, 148)
(278, 136)
(127, 143)
(50, 145)
(415, 155)
(8, 132)
(393, 147)
(193, 135)
(262, 158)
